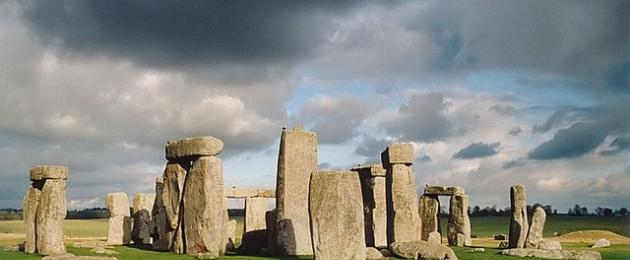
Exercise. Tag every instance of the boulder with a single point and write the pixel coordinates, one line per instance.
(518, 218)
(336, 214)
(422, 250)
(193, 147)
(204, 208)
(535, 234)
(41, 172)
(403, 221)
(552, 254)
(142, 206)
(50, 216)
(372, 253)
(548, 244)
(297, 159)
(458, 228)
(429, 210)
(602, 242)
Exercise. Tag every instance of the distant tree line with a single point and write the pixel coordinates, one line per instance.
(90, 213)
(599, 211)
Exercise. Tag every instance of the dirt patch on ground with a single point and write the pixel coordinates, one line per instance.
(590, 236)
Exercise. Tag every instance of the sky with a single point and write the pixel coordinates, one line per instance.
(490, 93)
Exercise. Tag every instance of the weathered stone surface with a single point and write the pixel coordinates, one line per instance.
(41, 172)
(248, 192)
(403, 221)
(255, 226)
(31, 203)
(50, 215)
(548, 244)
(270, 218)
(553, 254)
(458, 228)
(435, 237)
(296, 161)
(429, 211)
(444, 190)
(372, 253)
(204, 208)
(602, 242)
(373, 189)
(230, 234)
(160, 231)
(518, 219)
(336, 212)
(142, 206)
(535, 234)
(422, 250)
(173, 189)
(91, 244)
(119, 223)
(193, 147)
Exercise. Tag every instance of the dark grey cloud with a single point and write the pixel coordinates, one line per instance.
(477, 150)
(552, 121)
(617, 145)
(576, 140)
(514, 163)
(422, 119)
(183, 33)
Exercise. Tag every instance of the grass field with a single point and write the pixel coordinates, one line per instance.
(484, 227)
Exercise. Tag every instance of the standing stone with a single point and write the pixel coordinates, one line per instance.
(204, 212)
(336, 213)
(429, 211)
(297, 159)
(173, 189)
(50, 215)
(458, 229)
(230, 234)
(403, 221)
(142, 206)
(535, 235)
(373, 190)
(160, 232)
(518, 220)
(119, 223)
(255, 225)
(270, 218)
(31, 203)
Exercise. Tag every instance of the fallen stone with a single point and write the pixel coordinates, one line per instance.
(373, 189)
(336, 212)
(477, 250)
(142, 206)
(422, 250)
(518, 219)
(403, 221)
(50, 216)
(429, 210)
(41, 172)
(91, 244)
(548, 244)
(119, 222)
(30, 205)
(204, 208)
(500, 236)
(102, 250)
(458, 228)
(297, 159)
(553, 254)
(602, 242)
(435, 237)
(535, 234)
(444, 190)
(372, 253)
(193, 147)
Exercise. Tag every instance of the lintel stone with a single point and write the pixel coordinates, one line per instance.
(444, 190)
(374, 170)
(193, 147)
(40, 172)
(246, 192)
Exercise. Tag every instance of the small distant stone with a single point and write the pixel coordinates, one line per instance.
(602, 242)
(12, 248)
(478, 250)
(500, 236)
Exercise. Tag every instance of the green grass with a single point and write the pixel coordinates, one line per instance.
(482, 226)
